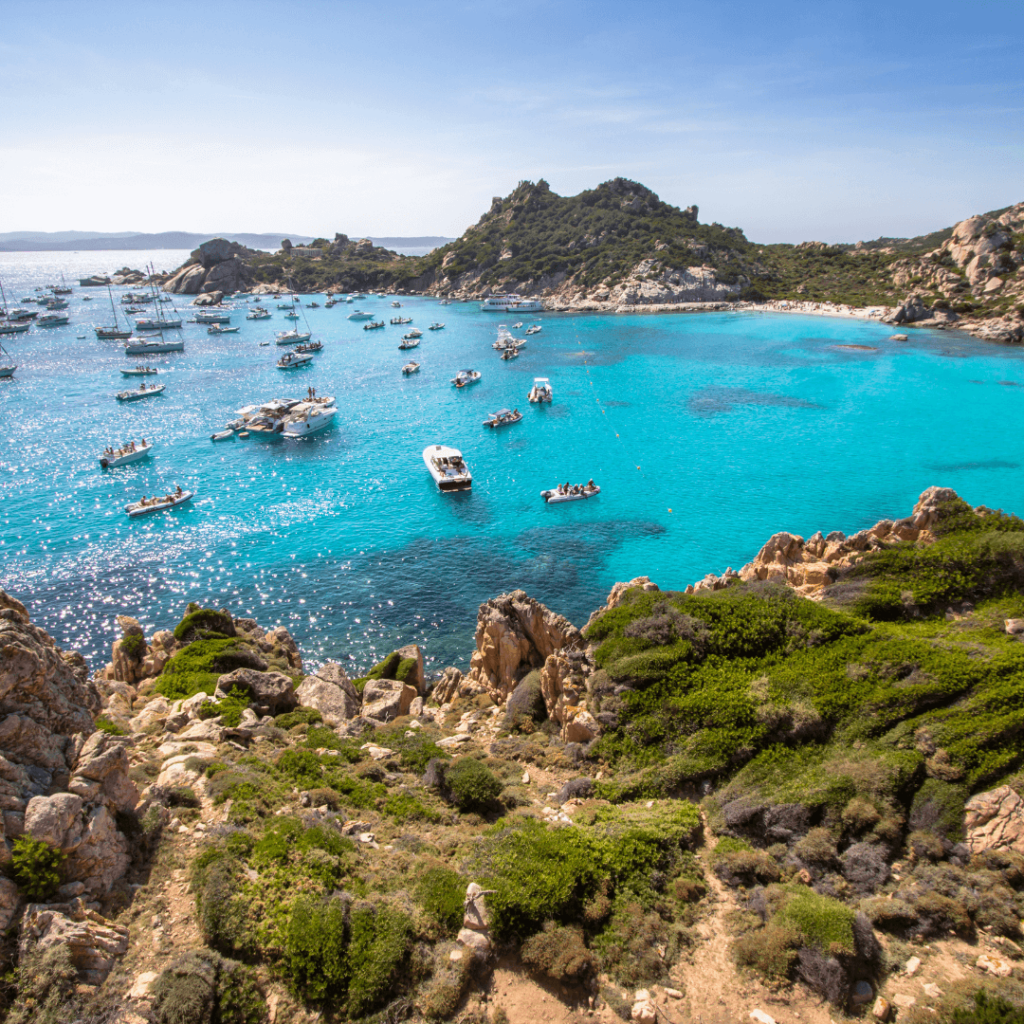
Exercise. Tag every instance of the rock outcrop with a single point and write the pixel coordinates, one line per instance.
(994, 821)
(216, 266)
(330, 692)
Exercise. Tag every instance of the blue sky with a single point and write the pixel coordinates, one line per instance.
(792, 120)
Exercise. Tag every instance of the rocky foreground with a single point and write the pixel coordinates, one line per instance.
(818, 815)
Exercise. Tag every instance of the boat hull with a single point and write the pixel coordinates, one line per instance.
(124, 460)
(135, 509)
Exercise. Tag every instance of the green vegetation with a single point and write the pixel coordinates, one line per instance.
(134, 645)
(204, 624)
(36, 867)
(107, 726)
(197, 667)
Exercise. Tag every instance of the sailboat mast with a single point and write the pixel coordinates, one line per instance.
(113, 308)
(4, 297)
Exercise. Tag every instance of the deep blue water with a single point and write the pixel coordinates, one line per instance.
(707, 433)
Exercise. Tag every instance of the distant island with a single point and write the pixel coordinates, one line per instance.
(77, 241)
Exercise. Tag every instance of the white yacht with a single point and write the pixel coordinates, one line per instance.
(258, 313)
(53, 320)
(212, 316)
(145, 323)
(410, 368)
(125, 454)
(15, 327)
(358, 314)
(308, 418)
(541, 390)
(465, 377)
(150, 346)
(447, 468)
(293, 337)
(511, 303)
(293, 360)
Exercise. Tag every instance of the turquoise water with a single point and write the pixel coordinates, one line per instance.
(707, 433)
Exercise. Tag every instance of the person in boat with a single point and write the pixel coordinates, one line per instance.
(590, 484)
(177, 493)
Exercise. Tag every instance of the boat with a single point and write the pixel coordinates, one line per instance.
(222, 435)
(580, 492)
(258, 313)
(291, 316)
(53, 320)
(503, 418)
(130, 452)
(146, 505)
(212, 316)
(293, 360)
(512, 352)
(114, 333)
(541, 390)
(506, 340)
(414, 333)
(396, 305)
(311, 346)
(312, 305)
(436, 327)
(465, 377)
(131, 298)
(54, 303)
(400, 321)
(510, 303)
(410, 368)
(218, 329)
(447, 467)
(408, 342)
(6, 368)
(15, 328)
(142, 391)
(308, 418)
(535, 329)
(22, 315)
(284, 305)
(375, 325)
(138, 371)
(516, 326)
(146, 323)
(152, 346)
(358, 314)
(444, 302)
(293, 337)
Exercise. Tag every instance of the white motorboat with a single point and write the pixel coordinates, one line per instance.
(541, 390)
(147, 505)
(259, 313)
(516, 326)
(138, 371)
(125, 454)
(293, 360)
(308, 418)
(535, 329)
(222, 435)
(410, 368)
(415, 332)
(15, 327)
(145, 323)
(436, 327)
(291, 316)
(270, 418)
(284, 305)
(465, 377)
(512, 352)
(212, 316)
(447, 467)
(143, 391)
(408, 342)
(511, 303)
(293, 337)
(358, 314)
(53, 319)
(373, 325)
(503, 418)
(312, 347)
(218, 329)
(396, 305)
(152, 346)
(506, 340)
(580, 492)
(399, 321)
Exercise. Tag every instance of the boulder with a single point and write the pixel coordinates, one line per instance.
(415, 677)
(384, 700)
(55, 820)
(101, 773)
(994, 820)
(8, 902)
(101, 856)
(93, 942)
(337, 701)
(272, 693)
(581, 727)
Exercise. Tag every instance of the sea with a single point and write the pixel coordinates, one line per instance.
(707, 433)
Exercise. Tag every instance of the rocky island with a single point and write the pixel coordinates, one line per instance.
(789, 793)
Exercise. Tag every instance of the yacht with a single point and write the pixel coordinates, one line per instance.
(148, 346)
(413, 332)
(358, 314)
(465, 377)
(15, 328)
(293, 360)
(503, 417)
(146, 323)
(140, 508)
(6, 368)
(212, 316)
(291, 417)
(138, 371)
(410, 368)
(219, 329)
(293, 337)
(112, 333)
(258, 313)
(143, 391)
(131, 452)
(447, 468)
(541, 390)
(308, 418)
(511, 303)
(53, 320)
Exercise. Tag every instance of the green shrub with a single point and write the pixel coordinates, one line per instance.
(471, 785)
(300, 767)
(300, 716)
(37, 868)
(379, 944)
(988, 1009)
(406, 807)
(204, 623)
(182, 796)
(770, 951)
(443, 993)
(938, 807)
(559, 952)
(197, 668)
(631, 945)
(204, 988)
(46, 980)
(315, 946)
(824, 923)
(229, 709)
(386, 669)
(134, 645)
(107, 726)
(441, 892)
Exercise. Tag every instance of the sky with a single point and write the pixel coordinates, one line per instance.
(833, 121)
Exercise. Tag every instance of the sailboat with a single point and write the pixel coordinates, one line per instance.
(112, 333)
(11, 326)
(6, 368)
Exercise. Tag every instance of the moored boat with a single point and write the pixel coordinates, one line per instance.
(293, 337)
(152, 346)
(293, 360)
(142, 391)
(436, 327)
(222, 435)
(541, 390)
(511, 303)
(219, 329)
(258, 313)
(408, 342)
(465, 377)
(138, 371)
(312, 347)
(535, 329)
(358, 314)
(410, 368)
(212, 316)
(53, 320)
(146, 505)
(375, 325)
(19, 327)
(503, 418)
(145, 323)
(127, 453)
(447, 468)
(308, 418)
(578, 492)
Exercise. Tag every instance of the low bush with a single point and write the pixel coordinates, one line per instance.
(204, 623)
(300, 716)
(197, 668)
(443, 993)
(771, 950)
(441, 892)
(379, 944)
(559, 952)
(107, 726)
(470, 785)
(637, 946)
(316, 941)
(37, 867)
(824, 923)
(46, 980)
(204, 988)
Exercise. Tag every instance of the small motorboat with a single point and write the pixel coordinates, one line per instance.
(400, 321)
(413, 332)
(243, 434)
(111, 333)
(515, 327)
(410, 368)
(375, 326)
(447, 467)
(293, 360)
(311, 347)
(259, 313)
(510, 353)
(212, 316)
(143, 391)
(218, 329)
(127, 453)
(312, 305)
(541, 390)
(396, 305)
(579, 492)
(503, 418)
(436, 327)
(408, 342)
(53, 320)
(222, 435)
(465, 377)
(138, 371)
(535, 329)
(146, 505)
(291, 316)
(284, 305)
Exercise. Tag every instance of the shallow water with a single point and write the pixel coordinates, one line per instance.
(707, 433)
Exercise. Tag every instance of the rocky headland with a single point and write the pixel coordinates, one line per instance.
(784, 794)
